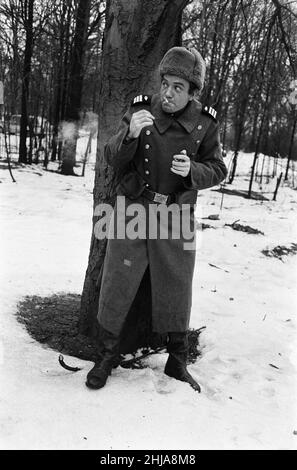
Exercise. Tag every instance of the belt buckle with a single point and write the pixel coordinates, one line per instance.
(161, 198)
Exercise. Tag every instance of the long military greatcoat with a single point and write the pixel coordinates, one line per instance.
(145, 162)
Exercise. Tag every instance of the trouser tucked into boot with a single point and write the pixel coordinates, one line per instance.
(109, 355)
(176, 365)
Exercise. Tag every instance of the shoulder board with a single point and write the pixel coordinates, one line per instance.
(210, 111)
(141, 99)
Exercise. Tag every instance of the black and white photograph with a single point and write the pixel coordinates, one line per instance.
(148, 228)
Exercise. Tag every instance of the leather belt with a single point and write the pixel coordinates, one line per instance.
(158, 197)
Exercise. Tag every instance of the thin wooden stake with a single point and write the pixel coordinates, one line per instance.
(86, 153)
(277, 186)
(8, 154)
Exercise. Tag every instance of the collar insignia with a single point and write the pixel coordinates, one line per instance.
(210, 111)
(141, 99)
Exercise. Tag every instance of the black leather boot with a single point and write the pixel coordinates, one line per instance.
(109, 355)
(176, 365)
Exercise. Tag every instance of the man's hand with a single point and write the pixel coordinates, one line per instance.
(181, 164)
(138, 121)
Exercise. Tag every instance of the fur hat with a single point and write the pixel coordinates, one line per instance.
(185, 63)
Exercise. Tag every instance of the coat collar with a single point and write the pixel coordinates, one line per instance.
(188, 119)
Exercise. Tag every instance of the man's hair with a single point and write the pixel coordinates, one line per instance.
(192, 88)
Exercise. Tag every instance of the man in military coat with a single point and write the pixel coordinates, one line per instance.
(166, 149)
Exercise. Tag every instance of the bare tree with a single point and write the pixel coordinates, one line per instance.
(27, 14)
(73, 103)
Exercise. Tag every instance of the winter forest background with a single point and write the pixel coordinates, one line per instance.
(68, 69)
(51, 53)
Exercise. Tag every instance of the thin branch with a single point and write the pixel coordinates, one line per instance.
(289, 48)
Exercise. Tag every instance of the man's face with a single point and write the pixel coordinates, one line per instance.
(174, 93)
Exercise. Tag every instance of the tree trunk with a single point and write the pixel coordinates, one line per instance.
(137, 35)
(257, 150)
(26, 80)
(263, 117)
(65, 69)
(64, 34)
(225, 61)
(73, 102)
(291, 146)
(16, 61)
(209, 90)
(239, 126)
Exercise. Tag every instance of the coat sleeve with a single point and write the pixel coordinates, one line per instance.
(118, 152)
(209, 169)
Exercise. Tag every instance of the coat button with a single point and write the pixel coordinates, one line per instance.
(147, 185)
(199, 127)
(146, 160)
(197, 141)
(147, 132)
(147, 172)
(147, 146)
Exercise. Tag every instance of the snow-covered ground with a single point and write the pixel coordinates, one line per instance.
(248, 367)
